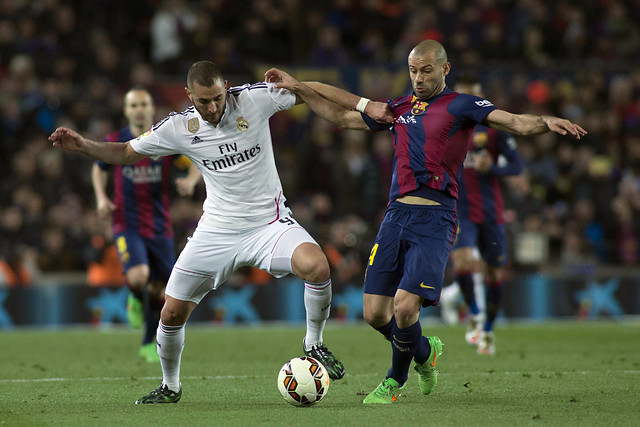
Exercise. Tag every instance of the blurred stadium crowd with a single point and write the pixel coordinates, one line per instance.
(65, 62)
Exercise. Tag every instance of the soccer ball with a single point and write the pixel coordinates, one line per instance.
(303, 381)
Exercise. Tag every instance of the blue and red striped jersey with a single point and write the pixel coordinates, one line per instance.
(431, 139)
(141, 193)
(480, 196)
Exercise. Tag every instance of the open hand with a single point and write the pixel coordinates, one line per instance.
(564, 126)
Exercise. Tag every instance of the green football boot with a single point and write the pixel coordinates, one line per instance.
(149, 352)
(427, 374)
(134, 312)
(386, 393)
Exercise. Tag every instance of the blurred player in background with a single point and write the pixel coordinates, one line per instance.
(141, 219)
(245, 222)
(453, 308)
(493, 155)
(431, 128)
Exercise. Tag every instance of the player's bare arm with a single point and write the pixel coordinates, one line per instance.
(186, 185)
(325, 108)
(104, 205)
(378, 111)
(529, 124)
(108, 152)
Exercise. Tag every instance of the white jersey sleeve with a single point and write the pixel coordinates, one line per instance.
(267, 98)
(159, 141)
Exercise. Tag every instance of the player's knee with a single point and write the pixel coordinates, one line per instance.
(173, 316)
(494, 274)
(313, 267)
(319, 272)
(406, 313)
(375, 318)
(138, 276)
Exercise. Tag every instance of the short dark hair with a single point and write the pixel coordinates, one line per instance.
(205, 73)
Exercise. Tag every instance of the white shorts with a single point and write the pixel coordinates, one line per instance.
(212, 254)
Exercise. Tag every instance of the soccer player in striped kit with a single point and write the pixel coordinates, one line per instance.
(493, 155)
(141, 218)
(431, 129)
(226, 134)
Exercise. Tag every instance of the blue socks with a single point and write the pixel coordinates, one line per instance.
(386, 329)
(494, 298)
(404, 343)
(465, 280)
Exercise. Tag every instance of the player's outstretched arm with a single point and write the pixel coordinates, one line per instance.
(109, 152)
(529, 124)
(324, 107)
(378, 111)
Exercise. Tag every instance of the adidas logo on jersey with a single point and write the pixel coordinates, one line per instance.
(196, 140)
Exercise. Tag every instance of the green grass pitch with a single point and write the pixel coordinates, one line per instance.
(554, 374)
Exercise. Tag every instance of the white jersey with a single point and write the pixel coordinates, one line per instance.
(235, 157)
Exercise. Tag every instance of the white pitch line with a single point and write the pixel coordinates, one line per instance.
(240, 377)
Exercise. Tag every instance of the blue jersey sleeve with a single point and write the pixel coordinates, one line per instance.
(470, 108)
(373, 125)
(507, 148)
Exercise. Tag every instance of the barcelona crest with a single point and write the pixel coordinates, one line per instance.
(418, 108)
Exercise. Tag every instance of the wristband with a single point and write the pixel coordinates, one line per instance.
(362, 104)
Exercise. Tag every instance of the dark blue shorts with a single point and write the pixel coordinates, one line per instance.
(411, 251)
(490, 238)
(158, 253)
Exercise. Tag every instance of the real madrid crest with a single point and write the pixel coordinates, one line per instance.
(242, 124)
(418, 108)
(193, 125)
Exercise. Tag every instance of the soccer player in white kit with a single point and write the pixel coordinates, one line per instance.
(245, 221)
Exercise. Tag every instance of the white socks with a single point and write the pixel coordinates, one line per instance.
(317, 301)
(170, 344)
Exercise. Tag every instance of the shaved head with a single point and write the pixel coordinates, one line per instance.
(430, 46)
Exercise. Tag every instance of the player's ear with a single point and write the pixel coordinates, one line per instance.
(186, 89)
(226, 85)
(446, 67)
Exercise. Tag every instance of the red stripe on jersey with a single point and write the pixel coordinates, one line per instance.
(118, 219)
(166, 170)
(145, 205)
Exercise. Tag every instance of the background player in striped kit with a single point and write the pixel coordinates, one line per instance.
(245, 221)
(141, 218)
(431, 128)
(493, 154)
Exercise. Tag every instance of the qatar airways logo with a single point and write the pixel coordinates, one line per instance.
(406, 120)
(230, 157)
(143, 174)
